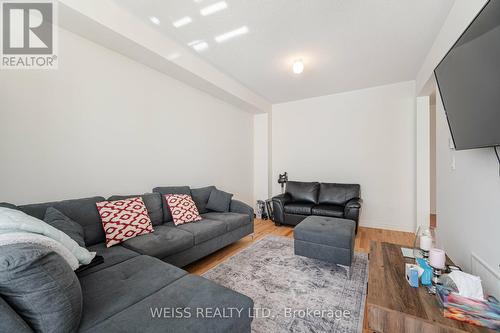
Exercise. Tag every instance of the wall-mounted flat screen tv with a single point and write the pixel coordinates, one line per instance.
(469, 82)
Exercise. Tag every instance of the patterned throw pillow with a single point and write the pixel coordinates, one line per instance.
(124, 219)
(183, 208)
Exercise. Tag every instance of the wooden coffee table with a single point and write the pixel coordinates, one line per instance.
(394, 306)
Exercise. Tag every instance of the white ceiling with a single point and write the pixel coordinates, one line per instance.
(345, 44)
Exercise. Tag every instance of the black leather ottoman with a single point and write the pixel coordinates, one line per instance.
(326, 238)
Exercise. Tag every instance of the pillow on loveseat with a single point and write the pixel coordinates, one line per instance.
(124, 219)
(219, 201)
(41, 287)
(182, 208)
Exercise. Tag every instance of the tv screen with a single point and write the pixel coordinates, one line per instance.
(469, 82)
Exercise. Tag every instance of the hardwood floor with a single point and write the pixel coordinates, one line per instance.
(263, 228)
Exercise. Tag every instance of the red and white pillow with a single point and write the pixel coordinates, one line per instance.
(124, 219)
(182, 208)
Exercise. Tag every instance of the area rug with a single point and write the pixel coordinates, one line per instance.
(293, 293)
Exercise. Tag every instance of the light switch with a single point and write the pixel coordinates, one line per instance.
(453, 163)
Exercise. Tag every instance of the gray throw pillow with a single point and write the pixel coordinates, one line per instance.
(41, 287)
(63, 223)
(200, 197)
(219, 201)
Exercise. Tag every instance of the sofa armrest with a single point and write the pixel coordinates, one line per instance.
(351, 210)
(354, 203)
(279, 203)
(237, 206)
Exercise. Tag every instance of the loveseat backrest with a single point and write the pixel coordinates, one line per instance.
(338, 194)
(83, 211)
(303, 191)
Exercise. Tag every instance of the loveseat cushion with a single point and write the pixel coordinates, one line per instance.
(204, 230)
(152, 202)
(41, 287)
(232, 220)
(200, 197)
(116, 288)
(82, 211)
(188, 293)
(328, 210)
(167, 217)
(303, 191)
(300, 208)
(111, 255)
(338, 194)
(164, 241)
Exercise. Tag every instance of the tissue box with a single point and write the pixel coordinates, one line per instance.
(412, 275)
(426, 276)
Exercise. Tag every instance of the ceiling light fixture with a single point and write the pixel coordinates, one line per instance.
(298, 66)
(216, 7)
(199, 45)
(231, 34)
(182, 22)
(155, 20)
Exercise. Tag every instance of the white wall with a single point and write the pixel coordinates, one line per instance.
(364, 136)
(432, 160)
(103, 124)
(261, 157)
(423, 200)
(468, 206)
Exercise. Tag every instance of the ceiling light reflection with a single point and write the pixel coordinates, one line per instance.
(199, 45)
(231, 34)
(155, 20)
(182, 22)
(216, 7)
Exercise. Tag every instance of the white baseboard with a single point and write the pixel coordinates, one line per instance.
(388, 226)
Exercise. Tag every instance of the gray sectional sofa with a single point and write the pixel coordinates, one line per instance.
(143, 272)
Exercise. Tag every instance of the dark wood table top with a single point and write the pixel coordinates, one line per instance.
(388, 289)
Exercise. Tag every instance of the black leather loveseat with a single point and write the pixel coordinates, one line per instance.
(302, 199)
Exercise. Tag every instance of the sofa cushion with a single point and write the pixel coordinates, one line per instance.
(111, 255)
(10, 320)
(182, 208)
(164, 241)
(41, 287)
(82, 211)
(124, 219)
(200, 197)
(152, 202)
(167, 217)
(63, 223)
(189, 293)
(301, 208)
(337, 194)
(116, 288)
(219, 201)
(204, 230)
(232, 220)
(303, 191)
(328, 210)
